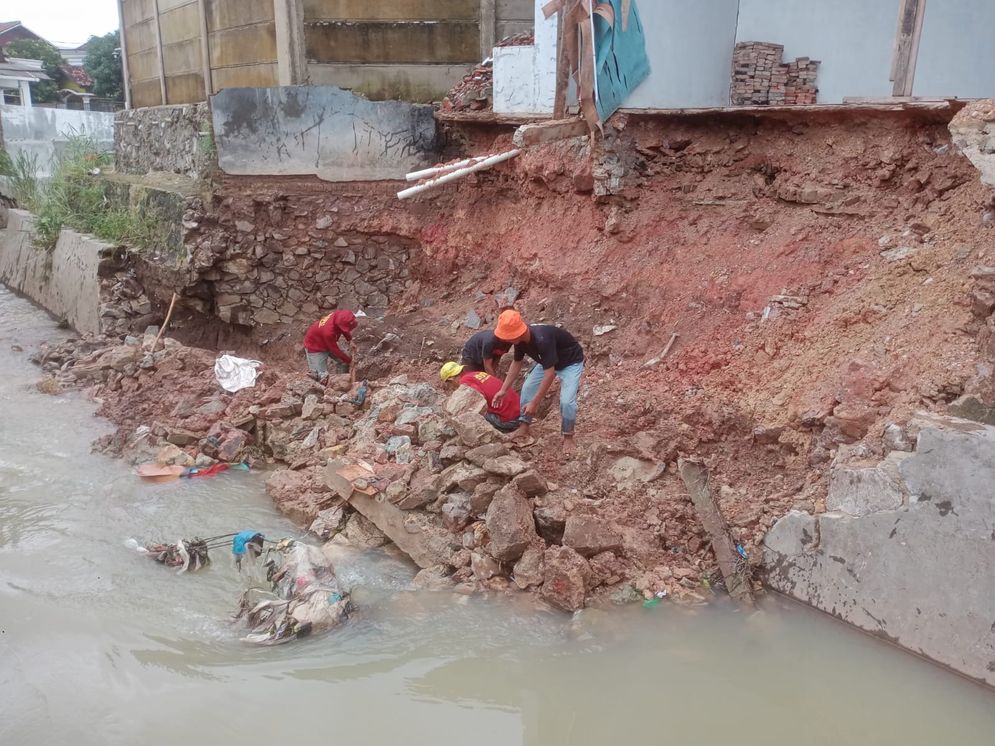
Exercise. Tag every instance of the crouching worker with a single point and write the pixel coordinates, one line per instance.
(483, 352)
(503, 416)
(557, 354)
(322, 342)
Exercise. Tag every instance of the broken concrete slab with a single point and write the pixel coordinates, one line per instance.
(866, 489)
(919, 574)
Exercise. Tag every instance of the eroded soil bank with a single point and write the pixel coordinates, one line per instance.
(826, 278)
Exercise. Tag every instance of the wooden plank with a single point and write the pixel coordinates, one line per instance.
(141, 37)
(907, 46)
(247, 45)
(734, 569)
(205, 50)
(226, 14)
(145, 93)
(158, 50)
(488, 28)
(181, 24)
(557, 129)
(181, 58)
(185, 88)
(144, 65)
(245, 76)
(516, 10)
(562, 69)
(136, 11)
(394, 43)
(122, 41)
(396, 10)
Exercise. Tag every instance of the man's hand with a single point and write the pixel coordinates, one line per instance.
(498, 398)
(531, 408)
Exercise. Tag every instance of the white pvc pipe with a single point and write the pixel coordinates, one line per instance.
(424, 174)
(456, 175)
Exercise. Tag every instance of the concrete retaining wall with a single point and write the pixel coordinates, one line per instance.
(907, 549)
(64, 281)
(44, 132)
(325, 131)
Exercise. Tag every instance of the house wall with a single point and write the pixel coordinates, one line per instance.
(853, 39)
(956, 53)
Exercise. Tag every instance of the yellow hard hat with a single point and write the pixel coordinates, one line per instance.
(450, 370)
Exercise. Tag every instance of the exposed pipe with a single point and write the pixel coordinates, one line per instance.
(435, 170)
(492, 160)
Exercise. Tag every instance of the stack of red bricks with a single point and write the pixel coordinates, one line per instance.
(759, 77)
(801, 87)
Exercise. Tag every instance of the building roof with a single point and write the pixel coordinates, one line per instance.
(19, 68)
(15, 30)
(78, 75)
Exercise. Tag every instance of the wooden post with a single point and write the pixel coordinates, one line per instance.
(562, 67)
(730, 563)
(123, 43)
(205, 50)
(903, 64)
(158, 50)
(488, 28)
(288, 16)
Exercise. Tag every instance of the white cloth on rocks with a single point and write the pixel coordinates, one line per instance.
(235, 373)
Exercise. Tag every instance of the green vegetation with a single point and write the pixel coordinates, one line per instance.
(44, 91)
(103, 64)
(21, 170)
(76, 197)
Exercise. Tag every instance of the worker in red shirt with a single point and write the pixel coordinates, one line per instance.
(322, 341)
(504, 417)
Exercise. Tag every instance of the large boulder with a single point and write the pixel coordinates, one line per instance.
(482, 454)
(465, 400)
(300, 495)
(506, 466)
(473, 430)
(510, 524)
(460, 475)
(590, 535)
(528, 571)
(565, 578)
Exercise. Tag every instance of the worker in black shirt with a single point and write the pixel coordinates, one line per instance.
(483, 352)
(557, 354)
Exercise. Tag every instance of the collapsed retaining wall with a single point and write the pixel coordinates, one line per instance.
(907, 547)
(320, 130)
(82, 280)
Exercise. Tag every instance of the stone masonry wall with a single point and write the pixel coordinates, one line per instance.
(275, 259)
(172, 139)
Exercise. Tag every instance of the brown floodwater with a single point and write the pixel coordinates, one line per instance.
(101, 646)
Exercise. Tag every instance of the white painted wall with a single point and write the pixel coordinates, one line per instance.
(44, 131)
(956, 51)
(690, 44)
(853, 39)
(525, 77)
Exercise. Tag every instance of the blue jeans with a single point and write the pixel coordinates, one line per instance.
(569, 385)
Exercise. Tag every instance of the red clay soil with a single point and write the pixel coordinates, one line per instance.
(715, 219)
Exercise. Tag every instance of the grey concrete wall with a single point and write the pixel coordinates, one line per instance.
(852, 38)
(690, 48)
(64, 281)
(907, 549)
(44, 132)
(325, 131)
(956, 53)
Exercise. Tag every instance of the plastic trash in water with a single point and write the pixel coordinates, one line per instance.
(649, 603)
(235, 373)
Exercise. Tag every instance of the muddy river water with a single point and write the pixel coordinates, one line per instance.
(101, 646)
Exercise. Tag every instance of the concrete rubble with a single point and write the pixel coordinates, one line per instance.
(937, 503)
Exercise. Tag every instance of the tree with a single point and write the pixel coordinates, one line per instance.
(103, 64)
(52, 62)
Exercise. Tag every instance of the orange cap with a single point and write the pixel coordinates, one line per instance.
(510, 326)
